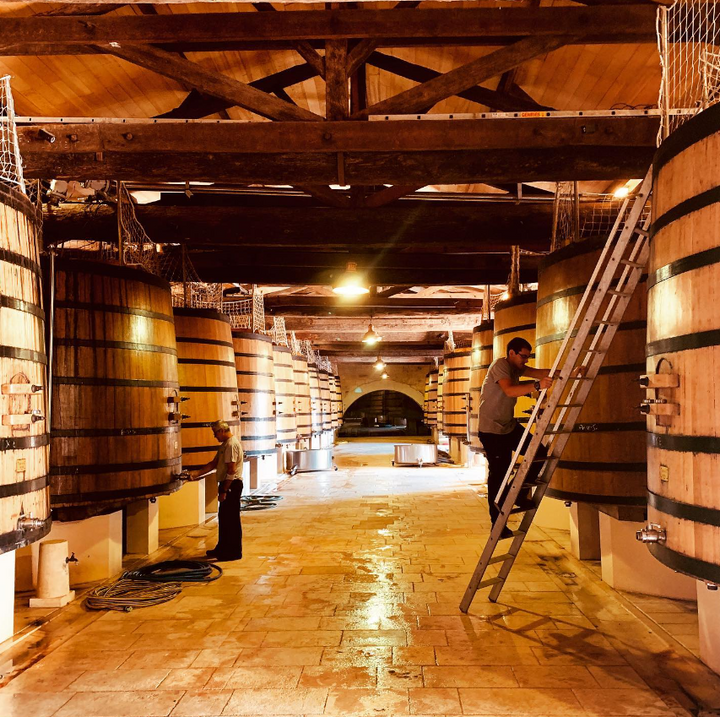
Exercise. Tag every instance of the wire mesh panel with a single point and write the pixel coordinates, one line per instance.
(295, 344)
(279, 334)
(309, 352)
(11, 171)
(240, 313)
(187, 288)
(582, 217)
(247, 313)
(690, 58)
(137, 247)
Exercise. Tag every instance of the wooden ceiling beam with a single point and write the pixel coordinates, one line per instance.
(208, 82)
(398, 152)
(303, 48)
(297, 222)
(197, 105)
(326, 195)
(392, 291)
(390, 194)
(466, 76)
(261, 266)
(362, 305)
(493, 26)
(497, 100)
(337, 100)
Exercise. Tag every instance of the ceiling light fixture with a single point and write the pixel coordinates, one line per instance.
(379, 364)
(384, 376)
(371, 337)
(625, 189)
(350, 282)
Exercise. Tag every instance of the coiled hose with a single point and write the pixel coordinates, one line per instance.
(126, 595)
(182, 571)
(151, 585)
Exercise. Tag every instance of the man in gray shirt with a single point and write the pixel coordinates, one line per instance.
(498, 429)
(228, 464)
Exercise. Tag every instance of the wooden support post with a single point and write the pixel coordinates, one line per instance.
(336, 80)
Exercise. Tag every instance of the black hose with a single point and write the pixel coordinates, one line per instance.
(183, 571)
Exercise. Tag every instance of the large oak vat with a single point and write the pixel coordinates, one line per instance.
(516, 317)
(302, 396)
(256, 391)
(325, 399)
(482, 356)
(338, 401)
(431, 411)
(456, 386)
(683, 338)
(24, 491)
(604, 462)
(284, 395)
(206, 370)
(115, 409)
(439, 402)
(316, 414)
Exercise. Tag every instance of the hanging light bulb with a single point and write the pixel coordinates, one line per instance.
(384, 377)
(379, 364)
(350, 282)
(371, 336)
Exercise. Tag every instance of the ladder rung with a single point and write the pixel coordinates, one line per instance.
(556, 433)
(615, 292)
(569, 405)
(633, 264)
(523, 508)
(501, 558)
(490, 581)
(582, 378)
(642, 232)
(607, 323)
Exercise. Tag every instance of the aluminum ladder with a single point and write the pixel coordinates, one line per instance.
(581, 355)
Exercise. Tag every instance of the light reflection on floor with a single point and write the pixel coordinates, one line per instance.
(347, 603)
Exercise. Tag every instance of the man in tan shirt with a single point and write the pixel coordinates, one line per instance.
(228, 464)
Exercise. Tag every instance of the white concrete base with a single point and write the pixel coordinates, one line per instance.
(53, 584)
(455, 450)
(7, 595)
(184, 507)
(554, 514)
(263, 470)
(585, 531)
(54, 601)
(96, 542)
(709, 618)
(211, 501)
(142, 523)
(628, 565)
(282, 459)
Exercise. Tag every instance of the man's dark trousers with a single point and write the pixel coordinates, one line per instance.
(229, 545)
(499, 448)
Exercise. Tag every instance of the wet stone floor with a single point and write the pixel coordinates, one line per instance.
(346, 603)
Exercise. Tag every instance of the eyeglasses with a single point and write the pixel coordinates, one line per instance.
(524, 357)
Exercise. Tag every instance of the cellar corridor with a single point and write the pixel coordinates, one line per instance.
(346, 602)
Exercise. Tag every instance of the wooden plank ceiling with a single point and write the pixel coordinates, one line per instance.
(423, 205)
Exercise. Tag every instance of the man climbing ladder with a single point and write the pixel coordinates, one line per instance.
(583, 351)
(498, 429)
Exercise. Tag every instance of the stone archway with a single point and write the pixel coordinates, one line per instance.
(349, 397)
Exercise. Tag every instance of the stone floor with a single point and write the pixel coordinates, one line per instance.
(346, 603)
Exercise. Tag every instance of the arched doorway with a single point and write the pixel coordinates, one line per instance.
(383, 413)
